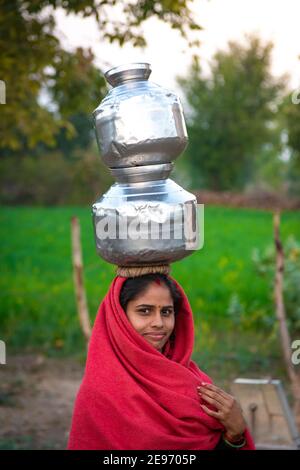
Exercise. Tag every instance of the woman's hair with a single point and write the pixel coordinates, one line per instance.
(133, 286)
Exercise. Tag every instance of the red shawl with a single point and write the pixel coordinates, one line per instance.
(134, 397)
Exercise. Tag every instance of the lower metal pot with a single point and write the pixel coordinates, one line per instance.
(142, 223)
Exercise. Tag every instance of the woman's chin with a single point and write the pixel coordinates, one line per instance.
(159, 346)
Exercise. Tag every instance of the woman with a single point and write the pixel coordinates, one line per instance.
(141, 390)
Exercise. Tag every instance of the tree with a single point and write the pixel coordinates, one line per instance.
(76, 87)
(291, 122)
(32, 61)
(233, 115)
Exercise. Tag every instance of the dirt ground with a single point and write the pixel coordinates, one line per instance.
(36, 401)
(255, 199)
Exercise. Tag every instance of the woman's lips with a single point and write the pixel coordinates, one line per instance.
(155, 337)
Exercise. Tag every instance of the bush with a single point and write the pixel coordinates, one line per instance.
(52, 179)
(264, 261)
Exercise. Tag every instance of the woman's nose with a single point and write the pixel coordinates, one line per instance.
(157, 320)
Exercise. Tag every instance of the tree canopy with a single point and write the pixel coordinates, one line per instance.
(291, 123)
(34, 64)
(233, 114)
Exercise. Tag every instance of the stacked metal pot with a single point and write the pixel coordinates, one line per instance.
(145, 218)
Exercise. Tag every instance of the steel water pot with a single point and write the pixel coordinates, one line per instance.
(145, 223)
(145, 217)
(138, 122)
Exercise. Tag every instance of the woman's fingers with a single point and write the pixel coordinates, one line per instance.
(206, 393)
(229, 412)
(217, 390)
(220, 394)
(214, 414)
(211, 401)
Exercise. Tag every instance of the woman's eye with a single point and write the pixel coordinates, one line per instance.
(167, 312)
(147, 310)
(144, 310)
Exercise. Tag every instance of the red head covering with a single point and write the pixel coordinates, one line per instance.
(132, 396)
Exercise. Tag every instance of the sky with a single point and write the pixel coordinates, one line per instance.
(222, 20)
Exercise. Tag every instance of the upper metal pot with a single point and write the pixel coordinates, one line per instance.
(138, 122)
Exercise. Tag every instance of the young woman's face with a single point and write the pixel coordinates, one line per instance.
(152, 314)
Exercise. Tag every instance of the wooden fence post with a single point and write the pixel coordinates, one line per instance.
(285, 338)
(81, 302)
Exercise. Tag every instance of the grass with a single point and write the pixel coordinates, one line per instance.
(19, 443)
(37, 303)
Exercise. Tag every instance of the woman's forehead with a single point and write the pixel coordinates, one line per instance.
(154, 294)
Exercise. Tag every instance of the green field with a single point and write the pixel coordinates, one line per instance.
(38, 308)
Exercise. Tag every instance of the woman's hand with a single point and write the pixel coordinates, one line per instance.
(229, 412)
